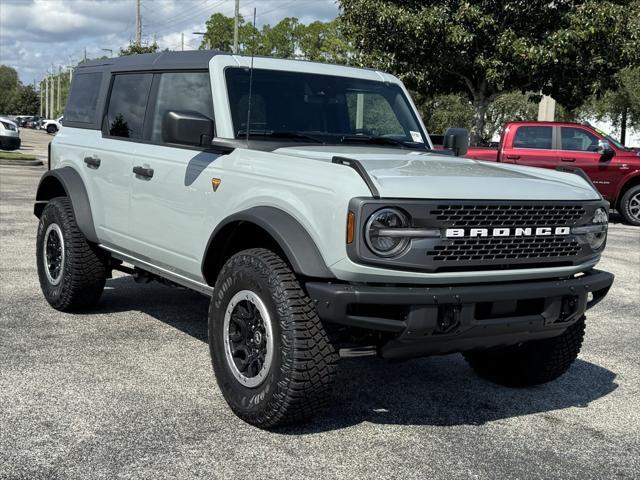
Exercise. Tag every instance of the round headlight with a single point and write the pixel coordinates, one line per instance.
(378, 232)
(597, 237)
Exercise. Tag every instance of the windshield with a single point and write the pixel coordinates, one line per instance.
(321, 108)
(610, 139)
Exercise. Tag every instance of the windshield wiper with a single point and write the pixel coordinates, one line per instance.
(379, 140)
(279, 134)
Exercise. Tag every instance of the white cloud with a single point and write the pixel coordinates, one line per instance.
(36, 34)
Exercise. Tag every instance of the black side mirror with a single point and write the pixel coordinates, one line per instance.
(187, 128)
(605, 150)
(457, 140)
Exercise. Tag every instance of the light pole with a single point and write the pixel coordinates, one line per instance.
(203, 34)
(108, 50)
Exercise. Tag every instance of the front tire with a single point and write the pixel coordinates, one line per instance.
(630, 205)
(272, 358)
(531, 363)
(51, 129)
(72, 271)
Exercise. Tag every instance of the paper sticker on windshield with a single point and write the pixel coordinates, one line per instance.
(417, 136)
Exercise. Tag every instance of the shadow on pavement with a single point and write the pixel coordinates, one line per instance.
(440, 391)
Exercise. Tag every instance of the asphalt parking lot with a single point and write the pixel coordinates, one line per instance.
(34, 142)
(128, 392)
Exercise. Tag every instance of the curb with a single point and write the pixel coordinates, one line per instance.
(24, 163)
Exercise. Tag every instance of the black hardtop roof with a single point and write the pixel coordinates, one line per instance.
(195, 59)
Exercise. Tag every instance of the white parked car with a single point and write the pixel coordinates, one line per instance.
(9, 134)
(52, 126)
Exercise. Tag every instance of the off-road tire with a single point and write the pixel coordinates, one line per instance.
(85, 266)
(531, 363)
(298, 383)
(625, 204)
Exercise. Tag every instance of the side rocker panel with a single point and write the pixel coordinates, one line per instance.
(74, 188)
(293, 239)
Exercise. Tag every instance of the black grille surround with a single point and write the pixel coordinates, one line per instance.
(433, 255)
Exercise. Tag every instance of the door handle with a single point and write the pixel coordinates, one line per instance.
(92, 162)
(513, 157)
(568, 159)
(143, 171)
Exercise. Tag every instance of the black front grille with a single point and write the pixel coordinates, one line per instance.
(478, 247)
(497, 249)
(462, 215)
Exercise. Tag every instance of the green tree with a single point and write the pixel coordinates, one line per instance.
(324, 42)
(135, 49)
(568, 49)
(26, 101)
(508, 107)
(443, 111)
(620, 107)
(8, 85)
(318, 41)
(281, 40)
(219, 35)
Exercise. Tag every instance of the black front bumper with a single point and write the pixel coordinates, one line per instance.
(426, 321)
(10, 143)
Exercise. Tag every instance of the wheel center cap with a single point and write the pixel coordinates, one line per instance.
(257, 337)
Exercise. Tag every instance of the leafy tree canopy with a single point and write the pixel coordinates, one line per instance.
(619, 106)
(318, 41)
(15, 98)
(134, 49)
(568, 49)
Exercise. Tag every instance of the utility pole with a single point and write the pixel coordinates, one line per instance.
(85, 54)
(53, 90)
(59, 77)
(46, 96)
(183, 41)
(138, 24)
(52, 95)
(236, 25)
(41, 104)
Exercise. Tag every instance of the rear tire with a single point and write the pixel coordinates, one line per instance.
(72, 271)
(530, 363)
(630, 205)
(271, 355)
(51, 129)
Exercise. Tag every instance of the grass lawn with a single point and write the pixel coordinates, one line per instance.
(15, 156)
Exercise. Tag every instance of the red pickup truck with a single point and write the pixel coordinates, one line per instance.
(613, 168)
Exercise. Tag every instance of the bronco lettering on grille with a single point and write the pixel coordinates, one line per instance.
(506, 232)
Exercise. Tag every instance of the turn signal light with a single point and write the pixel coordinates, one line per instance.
(351, 226)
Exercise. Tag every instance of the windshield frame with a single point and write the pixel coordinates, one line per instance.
(220, 65)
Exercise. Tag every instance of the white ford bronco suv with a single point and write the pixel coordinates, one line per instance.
(307, 201)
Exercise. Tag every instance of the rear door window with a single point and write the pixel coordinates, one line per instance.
(83, 99)
(184, 92)
(128, 104)
(538, 137)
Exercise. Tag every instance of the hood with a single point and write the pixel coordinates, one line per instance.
(412, 174)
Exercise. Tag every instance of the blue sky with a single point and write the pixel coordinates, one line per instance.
(41, 35)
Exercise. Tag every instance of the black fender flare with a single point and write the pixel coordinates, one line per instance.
(294, 240)
(73, 185)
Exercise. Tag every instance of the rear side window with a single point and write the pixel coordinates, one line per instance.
(83, 99)
(181, 91)
(127, 105)
(534, 137)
